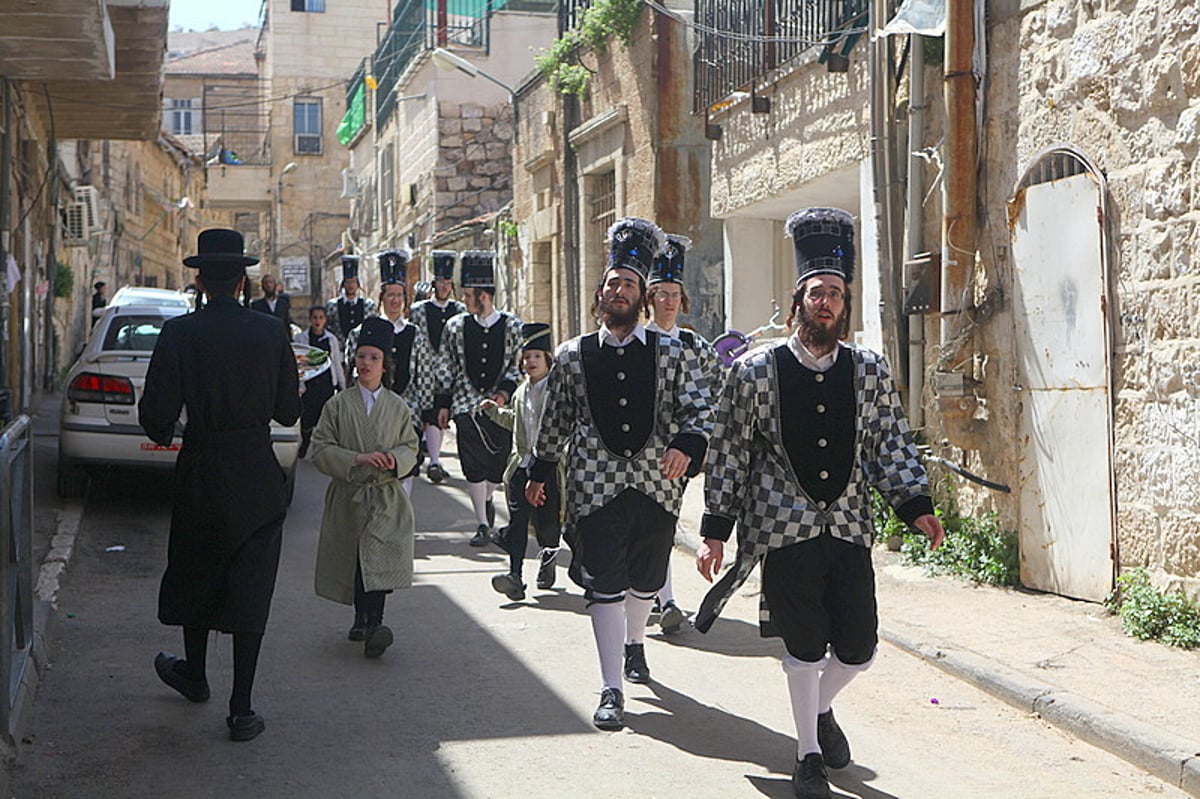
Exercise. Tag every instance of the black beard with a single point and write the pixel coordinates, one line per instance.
(814, 334)
(614, 317)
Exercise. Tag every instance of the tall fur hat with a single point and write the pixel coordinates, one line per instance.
(824, 242)
(634, 243)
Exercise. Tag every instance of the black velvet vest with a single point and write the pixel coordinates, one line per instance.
(818, 412)
(621, 384)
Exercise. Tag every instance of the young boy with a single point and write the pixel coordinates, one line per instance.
(523, 416)
(366, 442)
(319, 389)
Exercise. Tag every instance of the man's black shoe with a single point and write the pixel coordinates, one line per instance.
(808, 778)
(510, 585)
(835, 749)
(490, 510)
(482, 536)
(499, 538)
(610, 715)
(379, 638)
(436, 473)
(636, 669)
(548, 571)
(357, 633)
(672, 618)
(169, 669)
(245, 728)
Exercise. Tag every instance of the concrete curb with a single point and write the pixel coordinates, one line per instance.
(1168, 757)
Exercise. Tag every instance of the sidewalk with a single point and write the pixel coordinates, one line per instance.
(1065, 662)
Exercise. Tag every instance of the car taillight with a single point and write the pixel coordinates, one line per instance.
(88, 387)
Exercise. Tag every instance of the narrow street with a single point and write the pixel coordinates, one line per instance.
(481, 697)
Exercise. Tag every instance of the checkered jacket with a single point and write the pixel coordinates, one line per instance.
(432, 360)
(334, 320)
(749, 478)
(594, 475)
(419, 393)
(450, 376)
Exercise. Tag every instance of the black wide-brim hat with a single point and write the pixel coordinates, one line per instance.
(376, 332)
(220, 254)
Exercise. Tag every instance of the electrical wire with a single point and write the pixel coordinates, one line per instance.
(754, 38)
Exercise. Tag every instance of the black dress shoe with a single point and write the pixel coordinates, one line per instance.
(379, 638)
(610, 715)
(808, 778)
(510, 585)
(245, 728)
(357, 633)
(436, 473)
(835, 749)
(548, 571)
(672, 618)
(481, 537)
(499, 538)
(170, 670)
(636, 669)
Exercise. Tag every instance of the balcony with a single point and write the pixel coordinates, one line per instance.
(101, 61)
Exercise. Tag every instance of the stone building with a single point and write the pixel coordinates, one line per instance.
(1060, 363)
(629, 147)
(430, 144)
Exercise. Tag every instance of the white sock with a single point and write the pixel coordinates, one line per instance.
(491, 488)
(479, 494)
(804, 679)
(836, 676)
(433, 442)
(407, 484)
(666, 593)
(608, 627)
(637, 611)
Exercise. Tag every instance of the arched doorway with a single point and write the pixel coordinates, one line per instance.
(1058, 223)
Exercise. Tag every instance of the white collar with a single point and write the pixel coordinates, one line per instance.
(489, 320)
(397, 325)
(607, 338)
(673, 332)
(806, 358)
(366, 392)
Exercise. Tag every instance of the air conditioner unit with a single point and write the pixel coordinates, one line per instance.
(75, 225)
(349, 185)
(308, 144)
(88, 196)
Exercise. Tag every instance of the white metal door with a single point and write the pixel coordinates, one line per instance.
(1066, 507)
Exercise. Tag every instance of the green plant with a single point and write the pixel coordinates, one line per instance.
(1149, 614)
(64, 280)
(977, 549)
(601, 21)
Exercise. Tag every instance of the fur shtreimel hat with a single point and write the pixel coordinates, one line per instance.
(478, 270)
(443, 264)
(668, 266)
(634, 243)
(349, 267)
(824, 241)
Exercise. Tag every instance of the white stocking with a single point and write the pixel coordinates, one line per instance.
(637, 611)
(608, 626)
(479, 494)
(804, 680)
(666, 593)
(836, 676)
(433, 442)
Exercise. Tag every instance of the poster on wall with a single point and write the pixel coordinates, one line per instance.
(293, 272)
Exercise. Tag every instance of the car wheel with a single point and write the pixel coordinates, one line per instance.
(289, 485)
(72, 481)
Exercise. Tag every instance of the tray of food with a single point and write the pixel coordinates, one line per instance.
(311, 361)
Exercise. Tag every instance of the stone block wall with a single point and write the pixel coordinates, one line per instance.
(474, 172)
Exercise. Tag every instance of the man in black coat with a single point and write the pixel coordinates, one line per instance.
(233, 371)
(273, 300)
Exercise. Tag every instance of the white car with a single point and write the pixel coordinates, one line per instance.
(99, 420)
(144, 295)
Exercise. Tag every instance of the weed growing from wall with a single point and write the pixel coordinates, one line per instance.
(1151, 615)
(597, 25)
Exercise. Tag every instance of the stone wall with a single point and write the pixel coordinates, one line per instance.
(474, 172)
(1120, 82)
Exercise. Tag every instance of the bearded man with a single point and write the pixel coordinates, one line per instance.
(632, 407)
(803, 431)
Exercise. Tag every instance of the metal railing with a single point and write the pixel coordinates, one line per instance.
(739, 41)
(235, 123)
(16, 533)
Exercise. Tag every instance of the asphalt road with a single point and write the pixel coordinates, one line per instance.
(481, 697)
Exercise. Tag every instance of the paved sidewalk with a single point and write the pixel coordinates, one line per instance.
(1066, 662)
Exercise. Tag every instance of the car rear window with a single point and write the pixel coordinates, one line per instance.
(133, 333)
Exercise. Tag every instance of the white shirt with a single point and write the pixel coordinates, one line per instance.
(398, 325)
(489, 320)
(609, 339)
(529, 416)
(806, 358)
(656, 328)
(369, 396)
(271, 303)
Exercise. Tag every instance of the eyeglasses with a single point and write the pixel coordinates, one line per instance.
(830, 295)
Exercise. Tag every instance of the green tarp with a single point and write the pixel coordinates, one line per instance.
(356, 115)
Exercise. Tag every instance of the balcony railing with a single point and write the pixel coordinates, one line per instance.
(741, 40)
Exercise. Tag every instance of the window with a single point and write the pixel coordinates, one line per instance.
(307, 126)
(308, 5)
(181, 119)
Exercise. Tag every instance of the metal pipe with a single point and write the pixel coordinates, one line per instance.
(883, 173)
(962, 155)
(6, 232)
(914, 240)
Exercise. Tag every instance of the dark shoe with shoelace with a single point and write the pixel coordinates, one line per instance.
(636, 669)
(482, 536)
(610, 715)
(170, 670)
(835, 749)
(809, 780)
(245, 728)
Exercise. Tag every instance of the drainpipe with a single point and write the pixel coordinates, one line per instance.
(571, 218)
(914, 240)
(5, 239)
(958, 222)
(883, 160)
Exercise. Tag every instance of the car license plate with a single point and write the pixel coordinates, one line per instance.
(149, 447)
